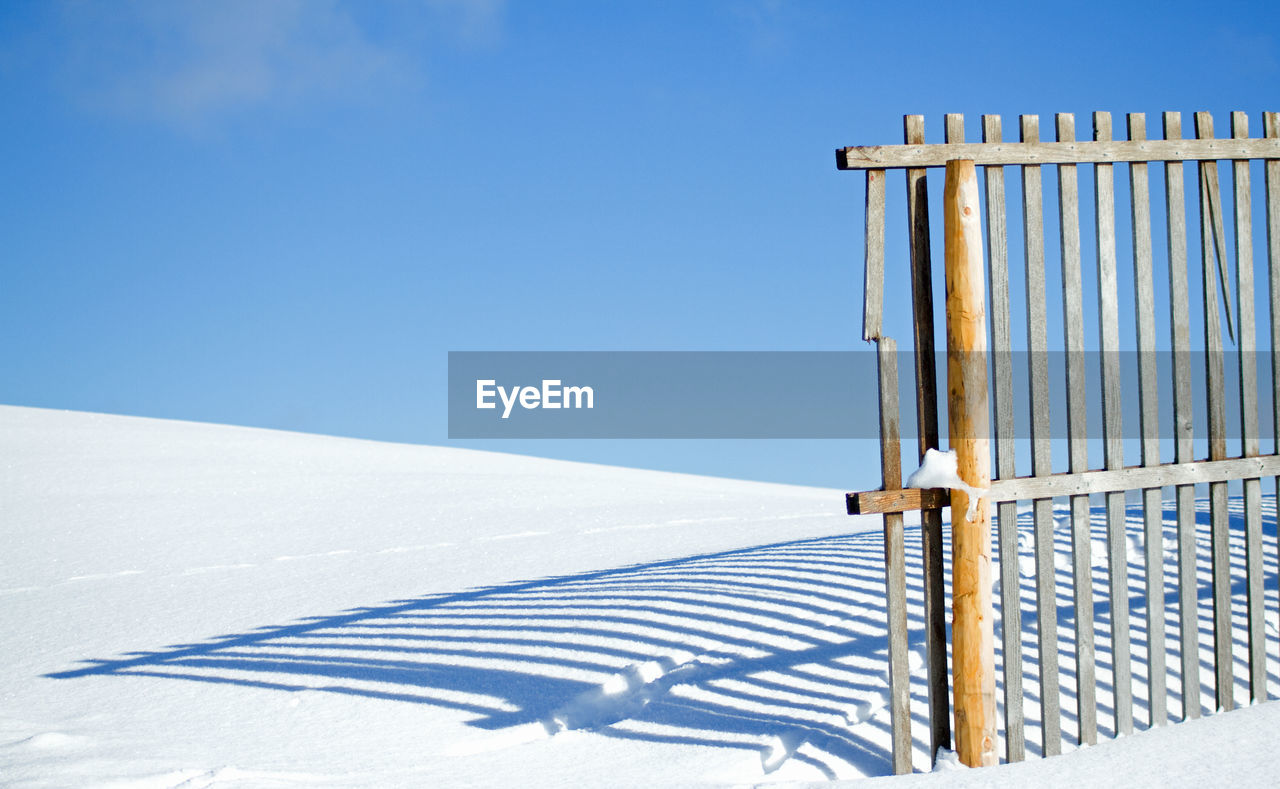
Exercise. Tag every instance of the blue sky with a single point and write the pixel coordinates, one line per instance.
(286, 213)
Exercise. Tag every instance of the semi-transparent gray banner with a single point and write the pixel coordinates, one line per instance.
(808, 394)
(639, 394)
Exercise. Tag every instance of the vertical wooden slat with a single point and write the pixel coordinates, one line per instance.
(1216, 409)
(1249, 447)
(1002, 406)
(1179, 315)
(927, 419)
(953, 123)
(891, 474)
(1184, 428)
(973, 647)
(873, 271)
(1212, 194)
(894, 559)
(1271, 179)
(1149, 414)
(1041, 459)
(890, 471)
(1077, 432)
(1113, 442)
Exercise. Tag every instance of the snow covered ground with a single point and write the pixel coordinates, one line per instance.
(200, 605)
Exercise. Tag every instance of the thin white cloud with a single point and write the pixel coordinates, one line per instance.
(763, 25)
(471, 21)
(195, 63)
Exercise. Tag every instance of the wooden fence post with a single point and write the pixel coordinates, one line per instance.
(972, 631)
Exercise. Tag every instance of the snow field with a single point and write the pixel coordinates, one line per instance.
(201, 605)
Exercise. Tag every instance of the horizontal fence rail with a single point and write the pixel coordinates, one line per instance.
(1073, 484)
(887, 157)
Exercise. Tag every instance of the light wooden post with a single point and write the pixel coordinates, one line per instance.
(972, 632)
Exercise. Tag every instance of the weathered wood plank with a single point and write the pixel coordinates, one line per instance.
(1041, 460)
(1036, 152)
(1001, 322)
(953, 123)
(894, 559)
(1002, 407)
(1133, 478)
(1183, 425)
(1113, 432)
(935, 614)
(1212, 194)
(1072, 304)
(1249, 444)
(1149, 415)
(890, 432)
(1037, 338)
(874, 502)
(1077, 433)
(1216, 410)
(1271, 181)
(1051, 486)
(873, 271)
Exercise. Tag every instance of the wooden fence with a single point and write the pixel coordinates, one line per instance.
(1243, 461)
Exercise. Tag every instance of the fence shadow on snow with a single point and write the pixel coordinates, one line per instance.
(777, 649)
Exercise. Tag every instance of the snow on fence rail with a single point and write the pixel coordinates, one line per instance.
(1066, 155)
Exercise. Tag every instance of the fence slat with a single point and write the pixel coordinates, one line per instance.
(894, 559)
(1002, 406)
(1149, 414)
(1113, 442)
(1217, 414)
(953, 123)
(935, 614)
(873, 271)
(891, 475)
(1248, 368)
(1077, 431)
(1271, 179)
(1041, 459)
(1212, 194)
(1183, 425)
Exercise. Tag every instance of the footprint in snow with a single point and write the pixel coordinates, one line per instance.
(867, 708)
(289, 558)
(196, 778)
(864, 710)
(411, 548)
(49, 740)
(101, 576)
(779, 749)
(213, 568)
(621, 696)
(519, 535)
